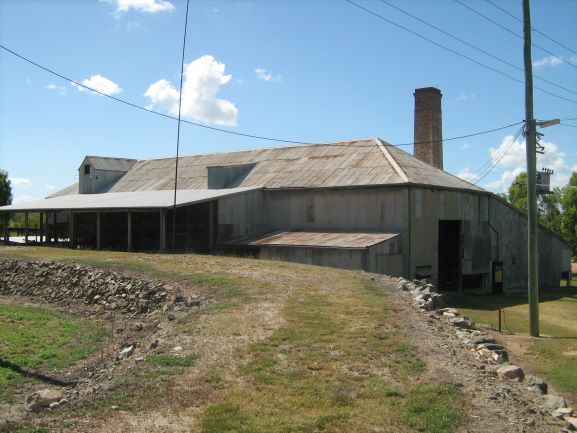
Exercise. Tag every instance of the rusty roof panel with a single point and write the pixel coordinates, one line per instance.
(324, 239)
(349, 163)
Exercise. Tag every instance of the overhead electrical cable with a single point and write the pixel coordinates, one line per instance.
(568, 124)
(532, 28)
(178, 129)
(512, 32)
(487, 165)
(499, 158)
(213, 128)
(455, 51)
(470, 45)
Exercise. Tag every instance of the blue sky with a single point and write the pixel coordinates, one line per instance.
(311, 71)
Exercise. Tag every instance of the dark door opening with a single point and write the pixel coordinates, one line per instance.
(449, 254)
(497, 277)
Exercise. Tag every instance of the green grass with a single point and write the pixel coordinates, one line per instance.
(35, 338)
(433, 409)
(171, 360)
(555, 354)
(336, 366)
(334, 359)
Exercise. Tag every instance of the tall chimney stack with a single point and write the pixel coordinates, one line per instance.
(429, 126)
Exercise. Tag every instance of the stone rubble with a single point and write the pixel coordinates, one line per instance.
(60, 283)
(43, 399)
(494, 357)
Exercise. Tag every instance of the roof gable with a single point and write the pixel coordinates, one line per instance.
(109, 164)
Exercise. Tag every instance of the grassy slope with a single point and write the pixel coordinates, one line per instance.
(555, 354)
(34, 338)
(338, 360)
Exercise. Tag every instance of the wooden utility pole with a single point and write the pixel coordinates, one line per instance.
(531, 141)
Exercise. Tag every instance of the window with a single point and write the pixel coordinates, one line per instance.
(86, 168)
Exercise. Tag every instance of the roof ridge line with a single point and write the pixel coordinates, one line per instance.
(391, 159)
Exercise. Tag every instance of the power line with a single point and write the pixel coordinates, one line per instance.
(178, 130)
(200, 125)
(487, 166)
(499, 158)
(473, 46)
(456, 52)
(568, 124)
(225, 130)
(512, 32)
(532, 28)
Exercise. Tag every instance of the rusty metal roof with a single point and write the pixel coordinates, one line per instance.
(368, 162)
(342, 164)
(324, 239)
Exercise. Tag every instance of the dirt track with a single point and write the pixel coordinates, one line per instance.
(492, 403)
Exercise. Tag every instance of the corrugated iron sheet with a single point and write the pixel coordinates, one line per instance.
(112, 164)
(344, 164)
(126, 200)
(324, 239)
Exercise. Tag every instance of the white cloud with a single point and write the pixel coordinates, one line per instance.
(50, 187)
(504, 182)
(467, 174)
(100, 83)
(463, 97)
(515, 161)
(550, 61)
(202, 80)
(264, 75)
(147, 6)
(20, 182)
(60, 89)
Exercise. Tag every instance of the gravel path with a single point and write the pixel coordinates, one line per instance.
(494, 404)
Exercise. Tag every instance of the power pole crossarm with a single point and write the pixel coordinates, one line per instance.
(531, 145)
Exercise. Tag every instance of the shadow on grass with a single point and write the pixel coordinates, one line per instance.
(493, 302)
(35, 375)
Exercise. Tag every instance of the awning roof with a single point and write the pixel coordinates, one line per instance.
(126, 200)
(324, 239)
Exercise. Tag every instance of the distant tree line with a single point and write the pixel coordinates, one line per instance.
(556, 211)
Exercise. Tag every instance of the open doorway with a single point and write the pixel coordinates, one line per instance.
(449, 254)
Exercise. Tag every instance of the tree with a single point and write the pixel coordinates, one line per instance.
(549, 206)
(5, 195)
(569, 218)
(549, 212)
(517, 194)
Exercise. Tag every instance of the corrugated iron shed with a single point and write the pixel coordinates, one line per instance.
(324, 239)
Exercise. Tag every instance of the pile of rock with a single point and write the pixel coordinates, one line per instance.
(61, 283)
(493, 356)
(424, 294)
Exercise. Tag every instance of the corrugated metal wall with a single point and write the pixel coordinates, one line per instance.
(490, 229)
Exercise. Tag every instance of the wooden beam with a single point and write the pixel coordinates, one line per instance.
(211, 226)
(42, 227)
(98, 232)
(162, 230)
(26, 228)
(129, 232)
(70, 229)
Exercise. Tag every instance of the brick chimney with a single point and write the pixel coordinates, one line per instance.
(429, 126)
